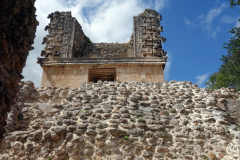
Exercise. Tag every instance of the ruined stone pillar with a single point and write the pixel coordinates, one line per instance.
(65, 37)
(146, 39)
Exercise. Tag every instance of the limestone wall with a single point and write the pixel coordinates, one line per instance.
(76, 75)
(17, 32)
(114, 49)
(128, 120)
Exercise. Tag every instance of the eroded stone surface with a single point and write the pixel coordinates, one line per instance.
(17, 31)
(135, 120)
(66, 39)
(146, 40)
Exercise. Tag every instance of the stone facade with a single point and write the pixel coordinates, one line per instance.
(75, 72)
(75, 76)
(17, 31)
(122, 121)
(65, 37)
(66, 40)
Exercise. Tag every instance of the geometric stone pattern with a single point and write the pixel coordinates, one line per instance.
(67, 40)
(65, 36)
(128, 120)
(59, 35)
(146, 39)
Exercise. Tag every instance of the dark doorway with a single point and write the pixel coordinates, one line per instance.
(103, 74)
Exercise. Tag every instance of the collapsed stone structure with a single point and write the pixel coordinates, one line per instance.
(108, 119)
(71, 59)
(17, 32)
(123, 120)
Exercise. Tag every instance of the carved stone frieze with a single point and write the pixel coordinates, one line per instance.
(146, 40)
(66, 39)
(62, 36)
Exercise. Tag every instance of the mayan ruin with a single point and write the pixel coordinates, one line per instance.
(71, 59)
(115, 121)
(106, 101)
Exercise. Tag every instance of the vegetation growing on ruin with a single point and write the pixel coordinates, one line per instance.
(125, 137)
(87, 39)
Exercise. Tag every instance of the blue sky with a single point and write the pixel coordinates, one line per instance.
(195, 31)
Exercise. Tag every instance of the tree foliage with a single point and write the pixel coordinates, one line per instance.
(229, 72)
(234, 2)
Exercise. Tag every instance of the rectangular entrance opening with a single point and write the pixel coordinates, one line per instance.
(103, 74)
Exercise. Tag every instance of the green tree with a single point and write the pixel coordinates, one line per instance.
(229, 72)
(234, 2)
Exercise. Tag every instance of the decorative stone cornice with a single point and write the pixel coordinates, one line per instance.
(80, 61)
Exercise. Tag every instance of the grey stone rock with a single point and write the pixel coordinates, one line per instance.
(37, 135)
(45, 107)
(136, 132)
(58, 129)
(117, 132)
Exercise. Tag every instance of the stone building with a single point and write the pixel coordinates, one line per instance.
(71, 59)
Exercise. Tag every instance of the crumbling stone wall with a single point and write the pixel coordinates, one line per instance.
(17, 32)
(87, 49)
(95, 50)
(66, 39)
(113, 49)
(80, 41)
(113, 120)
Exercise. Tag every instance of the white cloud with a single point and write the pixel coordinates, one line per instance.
(160, 4)
(101, 20)
(214, 33)
(205, 20)
(212, 14)
(191, 23)
(238, 22)
(168, 66)
(228, 19)
(201, 79)
(32, 71)
(188, 22)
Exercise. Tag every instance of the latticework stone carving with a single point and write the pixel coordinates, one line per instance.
(146, 40)
(59, 29)
(65, 36)
(66, 39)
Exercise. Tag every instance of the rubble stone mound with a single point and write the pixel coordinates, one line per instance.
(17, 32)
(129, 120)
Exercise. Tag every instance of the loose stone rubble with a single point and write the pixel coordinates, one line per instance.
(113, 49)
(113, 120)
